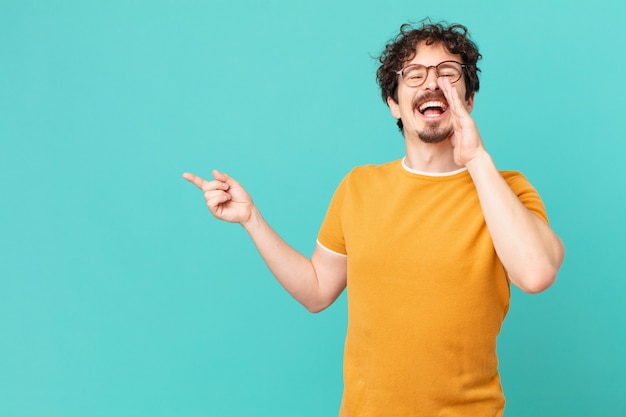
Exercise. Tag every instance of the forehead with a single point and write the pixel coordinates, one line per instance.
(432, 54)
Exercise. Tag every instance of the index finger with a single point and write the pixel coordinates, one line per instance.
(452, 96)
(194, 179)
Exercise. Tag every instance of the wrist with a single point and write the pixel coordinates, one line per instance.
(481, 159)
(253, 220)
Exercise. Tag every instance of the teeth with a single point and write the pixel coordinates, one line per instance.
(428, 104)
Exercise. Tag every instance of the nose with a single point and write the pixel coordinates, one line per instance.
(431, 79)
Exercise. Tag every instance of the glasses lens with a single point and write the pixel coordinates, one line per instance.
(414, 75)
(450, 70)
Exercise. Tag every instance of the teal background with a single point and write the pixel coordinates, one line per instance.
(120, 295)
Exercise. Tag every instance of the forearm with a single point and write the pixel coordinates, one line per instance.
(294, 271)
(528, 248)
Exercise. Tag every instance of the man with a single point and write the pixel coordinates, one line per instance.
(426, 245)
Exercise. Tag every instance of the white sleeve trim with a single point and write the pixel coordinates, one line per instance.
(330, 250)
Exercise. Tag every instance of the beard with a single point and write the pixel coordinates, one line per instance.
(433, 133)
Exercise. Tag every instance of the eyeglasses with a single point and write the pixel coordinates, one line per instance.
(415, 75)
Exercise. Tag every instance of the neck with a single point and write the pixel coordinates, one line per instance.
(430, 157)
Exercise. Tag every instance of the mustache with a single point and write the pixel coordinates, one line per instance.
(429, 96)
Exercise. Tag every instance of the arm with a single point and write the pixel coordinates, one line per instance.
(314, 282)
(528, 248)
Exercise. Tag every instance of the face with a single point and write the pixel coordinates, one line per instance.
(424, 109)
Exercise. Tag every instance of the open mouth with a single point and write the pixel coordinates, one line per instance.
(433, 108)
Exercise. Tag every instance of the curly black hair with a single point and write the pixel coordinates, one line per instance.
(402, 48)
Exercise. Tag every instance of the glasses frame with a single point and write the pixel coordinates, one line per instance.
(435, 67)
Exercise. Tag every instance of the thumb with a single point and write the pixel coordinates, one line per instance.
(221, 176)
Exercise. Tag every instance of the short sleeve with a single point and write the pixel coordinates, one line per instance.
(331, 232)
(526, 193)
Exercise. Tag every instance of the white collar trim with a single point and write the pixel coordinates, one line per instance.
(431, 174)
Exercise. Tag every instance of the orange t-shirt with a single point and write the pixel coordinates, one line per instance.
(427, 293)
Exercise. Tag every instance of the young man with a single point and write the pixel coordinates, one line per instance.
(426, 245)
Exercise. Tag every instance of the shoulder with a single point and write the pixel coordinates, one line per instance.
(517, 181)
(524, 190)
(371, 172)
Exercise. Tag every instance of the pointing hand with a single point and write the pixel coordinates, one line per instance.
(226, 198)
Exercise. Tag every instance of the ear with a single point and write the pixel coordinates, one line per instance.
(394, 108)
(469, 104)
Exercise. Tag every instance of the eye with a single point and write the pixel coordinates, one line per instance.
(449, 71)
(413, 74)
